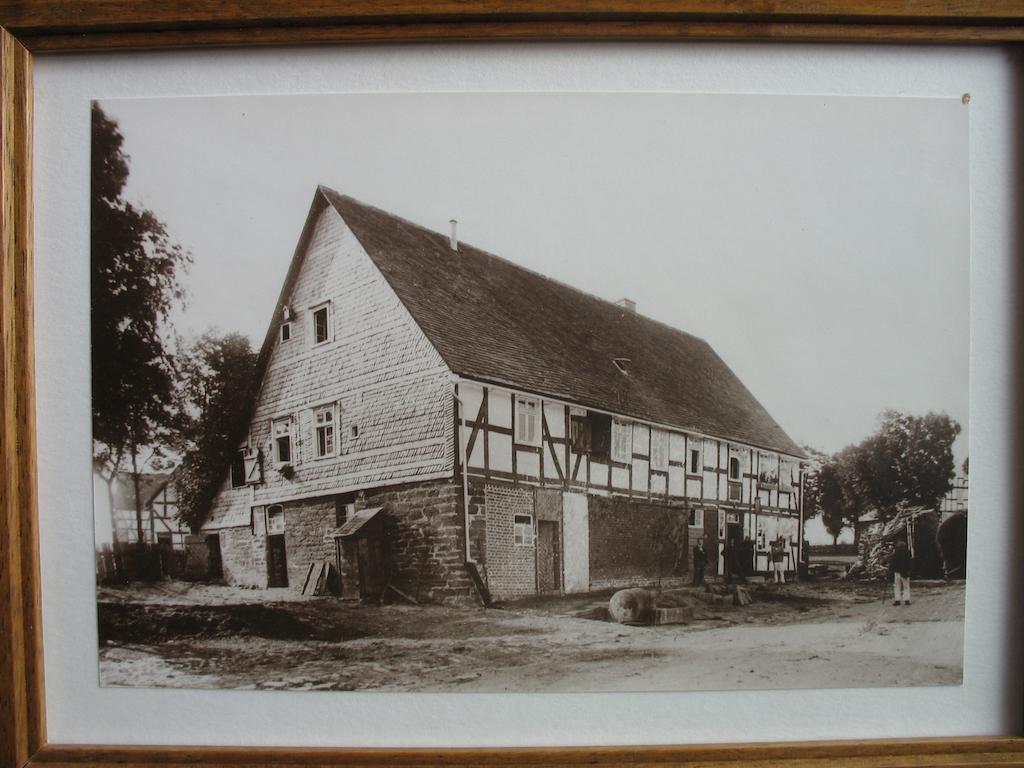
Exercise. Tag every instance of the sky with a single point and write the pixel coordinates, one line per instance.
(821, 245)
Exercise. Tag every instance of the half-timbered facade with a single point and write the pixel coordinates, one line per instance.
(517, 435)
(158, 511)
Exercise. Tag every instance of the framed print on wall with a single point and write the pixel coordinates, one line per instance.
(455, 483)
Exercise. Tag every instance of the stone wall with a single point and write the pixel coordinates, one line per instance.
(425, 540)
(244, 554)
(633, 542)
(306, 524)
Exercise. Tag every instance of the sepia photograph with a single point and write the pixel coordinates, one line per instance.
(530, 392)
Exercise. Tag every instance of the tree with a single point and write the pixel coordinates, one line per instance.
(908, 460)
(831, 500)
(216, 385)
(828, 492)
(136, 272)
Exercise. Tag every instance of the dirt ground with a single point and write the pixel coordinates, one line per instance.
(811, 635)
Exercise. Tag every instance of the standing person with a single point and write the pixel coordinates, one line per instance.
(700, 561)
(899, 569)
(778, 555)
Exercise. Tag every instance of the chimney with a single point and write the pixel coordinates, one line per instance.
(627, 304)
(453, 241)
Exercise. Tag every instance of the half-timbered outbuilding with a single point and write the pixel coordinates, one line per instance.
(515, 435)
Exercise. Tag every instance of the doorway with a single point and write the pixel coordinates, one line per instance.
(277, 562)
(215, 566)
(549, 566)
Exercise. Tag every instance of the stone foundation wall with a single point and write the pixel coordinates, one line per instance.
(243, 552)
(425, 540)
(306, 523)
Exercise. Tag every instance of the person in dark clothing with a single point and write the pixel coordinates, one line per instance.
(899, 570)
(700, 561)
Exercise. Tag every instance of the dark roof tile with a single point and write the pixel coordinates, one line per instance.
(491, 319)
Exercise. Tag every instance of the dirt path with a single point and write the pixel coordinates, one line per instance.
(808, 636)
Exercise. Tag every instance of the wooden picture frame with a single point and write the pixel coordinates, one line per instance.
(48, 27)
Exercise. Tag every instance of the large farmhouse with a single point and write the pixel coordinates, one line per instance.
(436, 418)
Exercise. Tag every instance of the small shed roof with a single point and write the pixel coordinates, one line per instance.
(355, 523)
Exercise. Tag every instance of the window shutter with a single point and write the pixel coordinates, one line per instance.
(254, 467)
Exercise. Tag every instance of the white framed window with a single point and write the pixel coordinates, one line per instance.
(275, 519)
(522, 530)
(527, 421)
(283, 441)
(622, 441)
(321, 323)
(696, 518)
(286, 331)
(325, 424)
(659, 449)
(693, 459)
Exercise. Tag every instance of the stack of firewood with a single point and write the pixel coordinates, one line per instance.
(876, 548)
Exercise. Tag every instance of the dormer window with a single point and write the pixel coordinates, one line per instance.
(621, 365)
(321, 319)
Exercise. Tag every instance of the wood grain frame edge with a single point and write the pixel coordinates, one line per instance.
(640, 29)
(22, 720)
(1003, 751)
(22, 710)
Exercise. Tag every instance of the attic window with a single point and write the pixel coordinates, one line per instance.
(321, 316)
(286, 331)
(622, 364)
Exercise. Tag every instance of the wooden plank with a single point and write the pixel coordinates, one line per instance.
(22, 728)
(26, 16)
(546, 439)
(514, 30)
(982, 751)
(481, 421)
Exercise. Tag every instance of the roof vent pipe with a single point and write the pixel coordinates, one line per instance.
(627, 304)
(453, 241)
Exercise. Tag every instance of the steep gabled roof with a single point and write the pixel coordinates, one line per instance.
(492, 320)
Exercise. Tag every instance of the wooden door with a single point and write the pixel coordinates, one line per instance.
(277, 563)
(548, 557)
(215, 567)
(371, 571)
